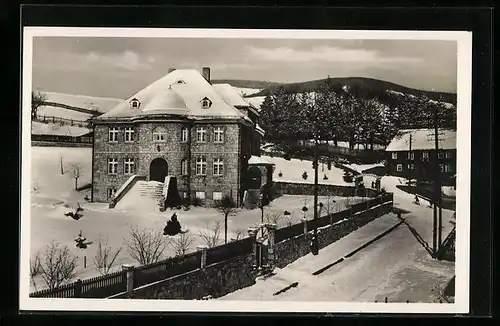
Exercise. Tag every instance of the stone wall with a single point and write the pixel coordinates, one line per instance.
(291, 188)
(289, 250)
(143, 150)
(35, 143)
(215, 280)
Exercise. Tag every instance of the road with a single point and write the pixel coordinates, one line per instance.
(397, 266)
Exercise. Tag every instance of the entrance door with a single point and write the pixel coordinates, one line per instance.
(158, 170)
(254, 178)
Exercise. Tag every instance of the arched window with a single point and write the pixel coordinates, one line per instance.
(159, 134)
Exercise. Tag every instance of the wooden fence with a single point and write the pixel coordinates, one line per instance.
(63, 121)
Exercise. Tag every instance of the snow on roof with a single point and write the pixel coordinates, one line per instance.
(422, 139)
(257, 160)
(230, 95)
(260, 130)
(256, 101)
(189, 87)
(38, 128)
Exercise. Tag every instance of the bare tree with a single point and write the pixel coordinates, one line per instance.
(146, 246)
(35, 269)
(182, 244)
(105, 258)
(273, 218)
(58, 265)
(76, 172)
(211, 235)
(61, 165)
(226, 206)
(238, 234)
(37, 100)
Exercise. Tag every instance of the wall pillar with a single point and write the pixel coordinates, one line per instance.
(304, 222)
(129, 269)
(271, 229)
(203, 261)
(252, 233)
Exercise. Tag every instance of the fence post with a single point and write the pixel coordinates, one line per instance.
(304, 222)
(252, 233)
(271, 229)
(130, 278)
(203, 250)
(78, 288)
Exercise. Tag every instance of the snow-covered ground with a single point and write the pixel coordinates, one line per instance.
(102, 104)
(293, 169)
(53, 195)
(449, 191)
(247, 91)
(40, 128)
(256, 101)
(396, 266)
(52, 111)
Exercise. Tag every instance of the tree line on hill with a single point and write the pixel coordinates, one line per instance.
(335, 113)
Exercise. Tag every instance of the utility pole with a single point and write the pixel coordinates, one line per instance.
(409, 157)
(437, 187)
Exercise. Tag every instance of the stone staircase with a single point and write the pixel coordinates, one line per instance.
(151, 189)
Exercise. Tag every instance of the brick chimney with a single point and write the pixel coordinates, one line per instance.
(170, 70)
(205, 72)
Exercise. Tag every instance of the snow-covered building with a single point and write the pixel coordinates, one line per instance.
(411, 152)
(181, 125)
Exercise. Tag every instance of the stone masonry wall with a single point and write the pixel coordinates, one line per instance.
(143, 150)
(215, 280)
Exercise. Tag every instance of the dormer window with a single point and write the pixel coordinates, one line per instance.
(180, 82)
(206, 103)
(134, 103)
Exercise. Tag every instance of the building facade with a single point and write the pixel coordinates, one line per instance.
(412, 154)
(180, 126)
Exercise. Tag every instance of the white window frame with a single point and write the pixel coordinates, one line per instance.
(410, 155)
(201, 166)
(217, 195)
(394, 155)
(184, 194)
(440, 155)
(425, 156)
(159, 135)
(206, 103)
(184, 167)
(447, 168)
(129, 166)
(112, 166)
(218, 166)
(113, 134)
(448, 155)
(135, 103)
(184, 134)
(399, 167)
(201, 134)
(218, 134)
(411, 166)
(111, 192)
(129, 134)
(200, 195)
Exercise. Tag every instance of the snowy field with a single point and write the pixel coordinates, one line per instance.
(53, 194)
(52, 111)
(243, 91)
(102, 104)
(40, 128)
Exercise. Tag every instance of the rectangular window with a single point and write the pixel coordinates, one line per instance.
(218, 135)
(425, 156)
(440, 154)
(399, 167)
(159, 136)
(217, 195)
(394, 156)
(184, 167)
(201, 135)
(447, 168)
(449, 155)
(129, 134)
(129, 166)
(184, 135)
(411, 167)
(200, 194)
(112, 166)
(441, 167)
(411, 155)
(111, 192)
(218, 166)
(113, 134)
(184, 194)
(201, 166)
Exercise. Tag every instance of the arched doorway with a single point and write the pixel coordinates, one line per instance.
(158, 170)
(254, 178)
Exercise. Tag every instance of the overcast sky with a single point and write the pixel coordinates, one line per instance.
(119, 67)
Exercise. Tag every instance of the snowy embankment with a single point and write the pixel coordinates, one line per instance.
(40, 128)
(293, 169)
(101, 104)
(51, 111)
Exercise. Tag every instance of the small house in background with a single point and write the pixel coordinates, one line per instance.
(411, 152)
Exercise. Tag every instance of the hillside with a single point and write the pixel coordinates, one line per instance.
(254, 84)
(363, 87)
(101, 104)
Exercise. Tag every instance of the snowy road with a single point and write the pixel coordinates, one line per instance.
(397, 266)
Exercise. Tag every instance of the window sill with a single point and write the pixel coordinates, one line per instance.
(113, 141)
(129, 141)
